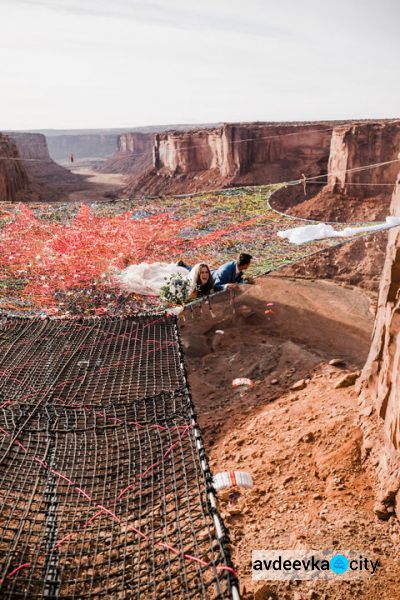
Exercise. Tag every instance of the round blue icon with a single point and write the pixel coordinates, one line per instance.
(339, 564)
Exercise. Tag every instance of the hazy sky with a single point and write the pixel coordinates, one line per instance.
(117, 63)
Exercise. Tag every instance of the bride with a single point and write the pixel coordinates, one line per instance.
(147, 279)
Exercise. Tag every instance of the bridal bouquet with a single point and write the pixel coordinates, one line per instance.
(176, 289)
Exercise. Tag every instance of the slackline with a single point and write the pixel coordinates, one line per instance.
(105, 488)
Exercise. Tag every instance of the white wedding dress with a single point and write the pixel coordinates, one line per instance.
(147, 279)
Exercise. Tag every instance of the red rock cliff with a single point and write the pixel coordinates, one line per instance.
(134, 155)
(237, 150)
(380, 387)
(354, 146)
(242, 154)
(357, 195)
(48, 180)
(14, 183)
(31, 145)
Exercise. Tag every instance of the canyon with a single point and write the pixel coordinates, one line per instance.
(81, 145)
(96, 145)
(324, 456)
(186, 160)
(233, 155)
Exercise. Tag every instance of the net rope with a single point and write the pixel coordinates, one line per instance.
(105, 488)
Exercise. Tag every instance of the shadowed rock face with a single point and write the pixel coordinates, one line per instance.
(14, 182)
(380, 388)
(47, 179)
(31, 145)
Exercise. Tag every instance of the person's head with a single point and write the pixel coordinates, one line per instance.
(204, 274)
(202, 278)
(243, 261)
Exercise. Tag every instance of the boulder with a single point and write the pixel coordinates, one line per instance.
(299, 385)
(347, 380)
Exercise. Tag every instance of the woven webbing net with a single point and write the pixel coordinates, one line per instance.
(105, 490)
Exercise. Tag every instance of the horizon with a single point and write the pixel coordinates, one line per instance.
(89, 65)
(132, 128)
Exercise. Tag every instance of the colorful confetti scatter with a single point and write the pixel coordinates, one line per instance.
(61, 259)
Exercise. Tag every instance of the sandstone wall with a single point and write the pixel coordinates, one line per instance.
(354, 146)
(133, 156)
(355, 195)
(192, 151)
(31, 145)
(380, 386)
(136, 143)
(14, 181)
(47, 180)
(242, 154)
(236, 150)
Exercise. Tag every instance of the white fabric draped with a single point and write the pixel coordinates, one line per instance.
(309, 233)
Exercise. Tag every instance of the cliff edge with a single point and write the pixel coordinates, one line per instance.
(48, 181)
(14, 182)
(380, 385)
(233, 155)
(352, 194)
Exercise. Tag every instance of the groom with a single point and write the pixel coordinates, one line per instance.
(230, 275)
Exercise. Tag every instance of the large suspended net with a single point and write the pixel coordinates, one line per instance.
(105, 489)
(61, 259)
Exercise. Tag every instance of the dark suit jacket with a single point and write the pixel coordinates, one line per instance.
(226, 274)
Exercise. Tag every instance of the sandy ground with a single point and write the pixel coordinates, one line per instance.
(103, 186)
(313, 489)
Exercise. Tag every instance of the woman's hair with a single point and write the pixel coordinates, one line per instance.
(197, 286)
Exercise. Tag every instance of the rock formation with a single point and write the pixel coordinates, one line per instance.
(237, 150)
(357, 195)
(14, 182)
(134, 155)
(92, 144)
(31, 145)
(242, 154)
(363, 144)
(189, 160)
(380, 387)
(47, 179)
